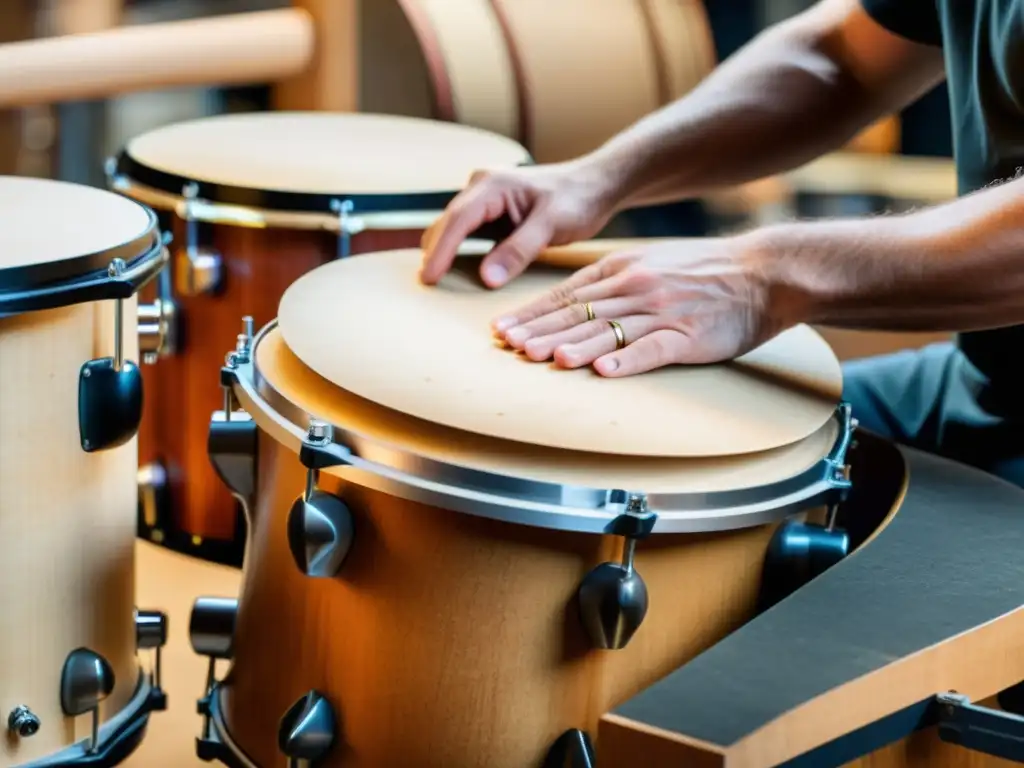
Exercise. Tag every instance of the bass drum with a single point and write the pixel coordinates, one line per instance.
(73, 692)
(255, 201)
(470, 568)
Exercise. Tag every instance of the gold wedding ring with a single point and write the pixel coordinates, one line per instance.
(589, 309)
(620, 335)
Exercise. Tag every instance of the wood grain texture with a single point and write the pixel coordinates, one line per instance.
(183, 390)
(908, 615)
(67, 524)
(449, 640)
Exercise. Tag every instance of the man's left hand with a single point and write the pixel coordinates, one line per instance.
(680, 302)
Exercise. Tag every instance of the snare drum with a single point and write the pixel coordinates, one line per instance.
(72, 262)
(254, 201)
(459, 558)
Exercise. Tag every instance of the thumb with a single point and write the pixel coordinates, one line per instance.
(512, 255)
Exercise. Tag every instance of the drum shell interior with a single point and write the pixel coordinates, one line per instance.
(454, 640)
(72, 540)
(182, 390)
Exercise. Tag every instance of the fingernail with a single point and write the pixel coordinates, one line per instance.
(495, 274)
(504, 323)
(517, 335)
(606, 364)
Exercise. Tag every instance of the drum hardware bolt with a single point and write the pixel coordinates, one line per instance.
(344, 209)
(151, 633)
(211, 633)
(23, 722)
(320, 525)
(241, 349)
(201, 271)
(150, 358)
(613, 597)
(86, 680)
(110, 389)
(307, 731)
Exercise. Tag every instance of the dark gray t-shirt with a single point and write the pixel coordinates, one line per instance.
(983, 46)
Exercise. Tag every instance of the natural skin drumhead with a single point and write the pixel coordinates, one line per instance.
(367, 325)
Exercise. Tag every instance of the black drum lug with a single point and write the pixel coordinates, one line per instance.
(232, 445)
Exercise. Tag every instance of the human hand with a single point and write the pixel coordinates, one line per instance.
(548, 204)
(686, 301)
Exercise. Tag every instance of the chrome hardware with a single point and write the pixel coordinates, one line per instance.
(86, 680)
(320, 528)
(211, 632)
(200, 272)
(231, 445)
(613, 596)
(307, 730)
(344, 209)
(239, 356)
(151, 633)
(158, 323)
(153, 493)
(838, 465)
(23, 722)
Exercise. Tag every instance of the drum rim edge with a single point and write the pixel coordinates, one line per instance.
(37, 276)
(531, 502)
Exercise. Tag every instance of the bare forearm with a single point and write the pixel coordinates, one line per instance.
(954, 267)
(795, 92)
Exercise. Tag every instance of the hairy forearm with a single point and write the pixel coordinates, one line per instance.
(800, 89)
(953, 267)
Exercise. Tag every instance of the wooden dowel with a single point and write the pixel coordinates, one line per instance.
(239, 48)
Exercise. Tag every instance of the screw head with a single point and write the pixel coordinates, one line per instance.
(23, 722)
(318, 431)
(116, 268)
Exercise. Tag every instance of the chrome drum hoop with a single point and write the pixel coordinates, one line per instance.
(391, 470)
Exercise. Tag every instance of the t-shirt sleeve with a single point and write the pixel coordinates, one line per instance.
(916, 20)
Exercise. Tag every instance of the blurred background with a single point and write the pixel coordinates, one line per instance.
(71, 140)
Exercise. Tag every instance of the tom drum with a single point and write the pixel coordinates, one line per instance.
(72, 262)
(460, 558)
(254, 201)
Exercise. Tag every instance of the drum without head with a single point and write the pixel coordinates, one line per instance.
(476, 586)
(73, 692)
(255, 201)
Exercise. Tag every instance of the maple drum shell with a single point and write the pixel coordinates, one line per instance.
(183, 390)
(67, 524)
(452, 640)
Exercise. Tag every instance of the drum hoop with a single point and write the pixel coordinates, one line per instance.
(250, 217)
(531, 502)
(85, 278)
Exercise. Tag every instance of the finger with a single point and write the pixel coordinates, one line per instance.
(469, 210)
(588, 284)
(586, 352)
(512, 255)
(570, 316)
(653, 350)
(543, 348)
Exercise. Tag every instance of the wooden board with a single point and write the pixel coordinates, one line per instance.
(931, 603)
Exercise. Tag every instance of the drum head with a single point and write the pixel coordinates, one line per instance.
(368, 326)
(302, 388)
(315, 153)
(55, 230)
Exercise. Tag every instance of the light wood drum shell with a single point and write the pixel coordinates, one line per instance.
(453, 639)
(267, 182)
(67, 525)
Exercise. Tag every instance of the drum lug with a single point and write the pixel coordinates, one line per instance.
(158, 324)
(573, 749)
(110, 391)
(151, 633)
(320, 527)
(86, 681)
(211, 633)
(344, 209)
(232, 447)
(613, 596)
(307, 730)
(200, 272)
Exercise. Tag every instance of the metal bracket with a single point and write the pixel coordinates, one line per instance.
(344, 209)
(980, 729)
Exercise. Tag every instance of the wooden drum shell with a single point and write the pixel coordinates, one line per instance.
(183, 389)
(67, 523)
(452, 640)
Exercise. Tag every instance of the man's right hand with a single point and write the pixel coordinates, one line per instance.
(552, 204)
